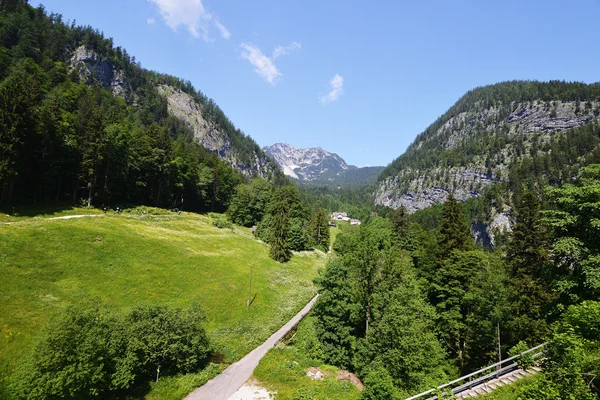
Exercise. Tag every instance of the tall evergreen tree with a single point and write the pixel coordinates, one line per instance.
(527, 255)
(454, 230)
(319, 229)
(339, 314)
(280, 212)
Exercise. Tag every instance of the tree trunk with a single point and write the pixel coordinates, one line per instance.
(499, 350)
(105, 190)
(11, 187)
(368, 317)
(58, 189)
(158, 193)
(75, 192)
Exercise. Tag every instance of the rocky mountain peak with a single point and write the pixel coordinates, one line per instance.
(306, 164)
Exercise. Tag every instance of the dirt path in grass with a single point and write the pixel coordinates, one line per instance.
(53, 218)
(229, 381)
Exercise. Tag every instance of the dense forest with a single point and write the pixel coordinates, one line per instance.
(411, 302)
(65, 138)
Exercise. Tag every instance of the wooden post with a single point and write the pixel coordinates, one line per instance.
(499, 351)
(249, 290)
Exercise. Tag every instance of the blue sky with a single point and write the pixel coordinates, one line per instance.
(358, 78)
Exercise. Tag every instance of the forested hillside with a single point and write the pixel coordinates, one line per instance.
(81, 119)
(546, 128)
(410, 305)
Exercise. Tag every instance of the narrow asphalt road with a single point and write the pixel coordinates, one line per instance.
(230, 380)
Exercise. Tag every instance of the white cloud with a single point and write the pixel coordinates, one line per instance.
(263, 65)
(283, 50)
(336, 86)
(225, 34)
(150, 21)
(192, 15)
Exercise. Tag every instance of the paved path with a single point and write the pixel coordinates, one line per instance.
(230, 380)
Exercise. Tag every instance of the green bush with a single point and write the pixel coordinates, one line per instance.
(526, 361)
(222, 223)
(379, 385)
(89, 353)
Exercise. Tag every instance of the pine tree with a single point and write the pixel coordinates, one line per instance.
(399, 220)
(527, 254)
(280, 209)
(319, 229)
(455, 233)
(528, 246)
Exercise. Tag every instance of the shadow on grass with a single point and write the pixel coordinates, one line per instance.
(32, 210)
(252, 301)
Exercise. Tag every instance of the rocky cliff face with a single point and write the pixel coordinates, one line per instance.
(471, 147)
(306, 164)
(211, 137)
(92, 68)
(183, 106)
(250, 161)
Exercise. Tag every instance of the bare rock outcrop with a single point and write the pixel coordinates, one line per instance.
(509, 125)
(92, 68)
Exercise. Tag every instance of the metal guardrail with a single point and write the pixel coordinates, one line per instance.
(475, 378)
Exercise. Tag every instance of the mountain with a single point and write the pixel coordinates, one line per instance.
(82, 121)
(507, 131)
(211, 128)
(317, 166)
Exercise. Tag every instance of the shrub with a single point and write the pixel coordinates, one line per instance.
(88, 353)
(222, 223)
(526, 361)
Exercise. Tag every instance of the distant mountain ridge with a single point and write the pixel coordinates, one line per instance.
(318, 166)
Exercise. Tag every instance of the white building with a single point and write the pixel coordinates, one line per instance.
(339, 216)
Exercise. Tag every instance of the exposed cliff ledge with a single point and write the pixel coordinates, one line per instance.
(92, 68)
(473, 149)
(183, 106)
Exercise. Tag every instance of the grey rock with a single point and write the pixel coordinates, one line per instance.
(183, 106)
(417, 189)
(92, 68)
(306, 164)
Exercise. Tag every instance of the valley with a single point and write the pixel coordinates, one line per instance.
(147, 243)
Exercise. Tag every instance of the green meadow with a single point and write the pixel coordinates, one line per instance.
(123, 260)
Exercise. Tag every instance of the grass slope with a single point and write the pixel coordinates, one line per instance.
(129, 259)
(283, 370)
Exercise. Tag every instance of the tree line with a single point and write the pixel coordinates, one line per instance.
(63, 138)
(408, 307)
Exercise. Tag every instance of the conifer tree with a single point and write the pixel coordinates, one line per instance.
(528, 245)
(527, 254)
(319, 229)
(455, 233)
(280, 209)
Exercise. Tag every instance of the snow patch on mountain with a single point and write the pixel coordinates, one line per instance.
(306, 164)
